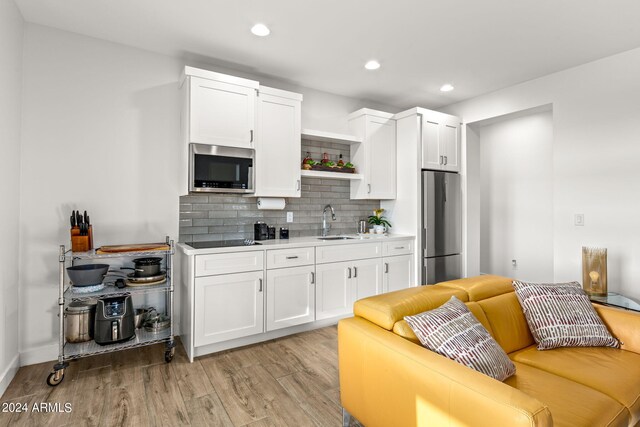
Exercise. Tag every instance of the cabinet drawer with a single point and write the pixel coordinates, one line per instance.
(335, 253)
(398, 247)
(294, 257)
(234, 262)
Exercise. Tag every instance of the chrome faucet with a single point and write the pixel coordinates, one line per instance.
(325, 225)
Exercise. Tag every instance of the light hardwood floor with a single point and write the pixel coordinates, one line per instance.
(292, 381)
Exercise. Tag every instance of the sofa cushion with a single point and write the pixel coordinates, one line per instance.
(561, 315)
(508, 325)
(403, 329)
(386, 309)
(481, 287)
(611, 371)
(452, 331)
(571, 404)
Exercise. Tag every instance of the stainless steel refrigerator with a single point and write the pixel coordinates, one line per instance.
(441, 227)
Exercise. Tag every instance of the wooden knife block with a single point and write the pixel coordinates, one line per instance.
(81, 243)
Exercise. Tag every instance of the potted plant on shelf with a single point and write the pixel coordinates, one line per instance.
(378, 221)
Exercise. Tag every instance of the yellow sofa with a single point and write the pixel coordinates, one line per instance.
(388, 379)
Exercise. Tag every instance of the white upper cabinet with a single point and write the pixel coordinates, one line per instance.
(440, 141)
(277, 143)
(375, 157)
(221, 109)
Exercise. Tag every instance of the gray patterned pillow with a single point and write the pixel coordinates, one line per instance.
(561, 315)
(451, 330)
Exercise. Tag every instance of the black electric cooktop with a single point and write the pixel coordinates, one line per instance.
(222, 244)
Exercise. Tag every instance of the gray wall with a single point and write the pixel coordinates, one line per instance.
(226, 217)
(11, 74)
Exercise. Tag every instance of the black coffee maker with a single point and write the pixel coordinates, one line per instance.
(260, 231)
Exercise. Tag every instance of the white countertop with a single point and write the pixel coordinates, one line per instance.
(295, 242)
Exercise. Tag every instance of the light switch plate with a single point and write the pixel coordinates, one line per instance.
(578, 220)
(289, 216)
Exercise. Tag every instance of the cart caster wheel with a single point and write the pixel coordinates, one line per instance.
(168, 355)
(55, 378)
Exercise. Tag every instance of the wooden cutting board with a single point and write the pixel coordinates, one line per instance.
(140, 247)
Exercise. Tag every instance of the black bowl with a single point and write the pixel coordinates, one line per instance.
(87, 274)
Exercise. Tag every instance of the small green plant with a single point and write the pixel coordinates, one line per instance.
(378, 219)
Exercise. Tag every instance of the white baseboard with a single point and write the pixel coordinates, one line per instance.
(47, 353)
(9, 373)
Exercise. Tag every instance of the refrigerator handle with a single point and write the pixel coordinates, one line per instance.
(444, 190)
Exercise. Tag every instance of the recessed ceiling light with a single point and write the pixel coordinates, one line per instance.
(446, 87)
(260, 30)
(372, 65)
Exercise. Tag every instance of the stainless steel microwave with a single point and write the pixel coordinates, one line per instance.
(217, 169)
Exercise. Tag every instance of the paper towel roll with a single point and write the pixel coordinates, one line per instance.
(273, 203)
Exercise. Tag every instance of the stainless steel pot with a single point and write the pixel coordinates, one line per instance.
(141, 316)
(79, 321)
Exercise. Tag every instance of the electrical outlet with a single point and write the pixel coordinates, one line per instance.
(514, 264)
(289, 216)
(578, 220)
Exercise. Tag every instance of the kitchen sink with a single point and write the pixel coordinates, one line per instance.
(336, 238)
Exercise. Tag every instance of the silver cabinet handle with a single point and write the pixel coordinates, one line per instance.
(251, 135)
(349, 268)
(293, 257)
(368, 188)
(399, 247)
(355, 272)
(260, 288)
(441, 160)
(298, 185)
(445, 160)
(313, 277)
(386, 267)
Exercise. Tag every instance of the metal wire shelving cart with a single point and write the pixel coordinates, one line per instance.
(68, 351)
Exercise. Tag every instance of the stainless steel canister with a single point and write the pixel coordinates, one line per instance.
(79, 321)
(363, 227)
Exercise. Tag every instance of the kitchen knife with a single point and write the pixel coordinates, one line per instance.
(85, 218)
(73, 219)
(78, 218)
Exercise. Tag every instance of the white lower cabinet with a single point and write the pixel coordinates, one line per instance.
(290, 297)
(334, 295)
(238, 298)
(397, 272)
(341, 284)
(367, 278)
(228, 306)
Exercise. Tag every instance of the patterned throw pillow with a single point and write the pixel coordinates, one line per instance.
(561, 315)
(451, 330)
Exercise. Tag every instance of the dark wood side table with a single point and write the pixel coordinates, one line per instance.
(616, 300)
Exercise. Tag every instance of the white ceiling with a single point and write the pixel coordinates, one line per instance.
(478, 46)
